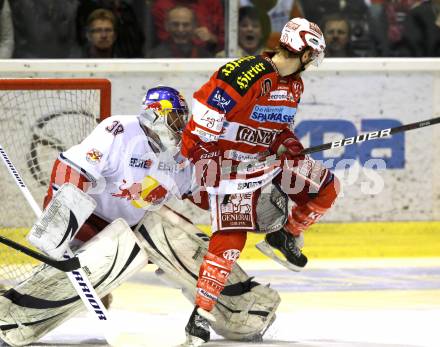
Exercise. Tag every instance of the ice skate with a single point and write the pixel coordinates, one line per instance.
(196, 330)
(288, 245)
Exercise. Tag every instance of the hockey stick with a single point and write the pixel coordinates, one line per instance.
(67, 265)
(377, 134)
(371, 135)
(78, 277)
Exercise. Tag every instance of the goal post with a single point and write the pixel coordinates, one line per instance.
(40, 117)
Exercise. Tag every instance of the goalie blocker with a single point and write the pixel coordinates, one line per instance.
(61, 220)
(47, 298)
(245, 307)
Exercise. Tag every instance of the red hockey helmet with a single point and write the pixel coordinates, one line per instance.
(299, 33)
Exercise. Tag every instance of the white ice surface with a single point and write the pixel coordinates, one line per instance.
(382, 310)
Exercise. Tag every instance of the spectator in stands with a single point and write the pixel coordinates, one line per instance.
(252, 33)
(388, 18)
(181, 26)
(421, 34)
(101, 35)
(6, 30)
(130, 40)
(209, 15)
(357, 13)
(279, 12)
(336, 29)
(44, 28)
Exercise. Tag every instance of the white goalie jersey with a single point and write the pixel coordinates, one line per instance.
(121, 168)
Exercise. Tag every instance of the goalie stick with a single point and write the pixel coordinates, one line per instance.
(67, 265)
(267, 159)
(78, 277)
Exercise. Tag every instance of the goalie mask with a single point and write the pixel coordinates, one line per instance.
(165, 114)
(298, 34)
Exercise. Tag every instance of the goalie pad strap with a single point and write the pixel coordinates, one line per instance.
(239, 288)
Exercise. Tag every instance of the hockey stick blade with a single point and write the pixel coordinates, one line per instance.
(267, 250)
(67, 265)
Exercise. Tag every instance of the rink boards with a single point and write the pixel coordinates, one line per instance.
(334, 240)
(326, 240)
(362, 240)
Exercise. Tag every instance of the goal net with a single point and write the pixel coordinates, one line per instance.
(38, 119)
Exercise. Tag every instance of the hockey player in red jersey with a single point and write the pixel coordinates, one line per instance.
(241, 117)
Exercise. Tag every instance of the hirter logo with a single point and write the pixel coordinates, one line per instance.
(260, 136)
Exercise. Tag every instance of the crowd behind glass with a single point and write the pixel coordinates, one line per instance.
(196, 28)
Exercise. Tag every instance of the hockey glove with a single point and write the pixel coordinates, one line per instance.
(207, 157)
(287, 146)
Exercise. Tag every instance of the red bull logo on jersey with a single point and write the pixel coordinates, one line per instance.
(94, 156)
(128, 192)
(142, 195)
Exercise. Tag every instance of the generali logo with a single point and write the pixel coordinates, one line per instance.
(260, 136)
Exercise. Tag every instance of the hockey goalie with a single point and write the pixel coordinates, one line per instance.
(105, 202)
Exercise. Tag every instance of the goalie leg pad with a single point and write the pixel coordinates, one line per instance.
(61, 220)
(47, 298)
(244, 309)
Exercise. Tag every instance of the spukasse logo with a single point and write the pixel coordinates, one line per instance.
(275, 114)
(260, 136)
